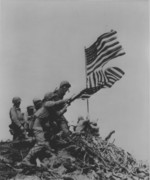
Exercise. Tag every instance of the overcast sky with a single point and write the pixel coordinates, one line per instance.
(43, 43)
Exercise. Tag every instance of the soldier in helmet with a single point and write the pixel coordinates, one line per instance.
(59, 94)
(29, 119)
(17, 121)
(85, 126)
(43, 117)
(29, 115)
(62, 90)
(37, 103)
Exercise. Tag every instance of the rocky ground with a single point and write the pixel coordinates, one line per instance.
(84, 155)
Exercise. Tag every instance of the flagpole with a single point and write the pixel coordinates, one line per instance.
(88, 113)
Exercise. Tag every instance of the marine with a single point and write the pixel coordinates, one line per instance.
(44, 117)
(29, 120)
(17, 121)
(59, 95)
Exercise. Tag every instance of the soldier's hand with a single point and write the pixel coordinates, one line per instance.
(63, 111)
(68, 101)
(22, 128)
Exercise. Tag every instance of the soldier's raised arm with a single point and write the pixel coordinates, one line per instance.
(54, 104)
(49, 101)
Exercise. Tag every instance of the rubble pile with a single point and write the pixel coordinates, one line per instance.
(83, 155)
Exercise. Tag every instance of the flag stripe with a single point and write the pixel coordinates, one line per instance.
(90, 82)
(119, 70)
(113, 74)
(98, 78)
(94, 79)
(101, 76)
(109, 46)
(110, 72)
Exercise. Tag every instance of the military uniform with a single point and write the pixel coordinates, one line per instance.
(29, 120)
(59, 94)
(42, 124)
(37, 103)
(84, 126)
(17, 120)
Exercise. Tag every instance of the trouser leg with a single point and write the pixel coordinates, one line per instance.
(33, 153)
(39, 148)
(64, 127)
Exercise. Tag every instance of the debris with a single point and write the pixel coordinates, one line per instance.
(86, 156)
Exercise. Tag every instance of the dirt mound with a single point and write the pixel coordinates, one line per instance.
(83, 156)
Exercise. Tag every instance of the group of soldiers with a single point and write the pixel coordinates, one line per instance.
(43, 121)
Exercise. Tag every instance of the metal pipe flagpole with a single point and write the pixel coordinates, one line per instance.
(88, 111)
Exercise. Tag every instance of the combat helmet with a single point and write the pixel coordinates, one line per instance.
(65, 83)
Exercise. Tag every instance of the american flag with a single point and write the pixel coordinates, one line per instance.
(112, 75)
(87, 92)
(98, 54)
(106, 80)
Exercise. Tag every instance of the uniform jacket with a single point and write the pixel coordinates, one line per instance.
(16, 116)
(48, 112)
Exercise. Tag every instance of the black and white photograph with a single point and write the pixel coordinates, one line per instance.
(74, 90)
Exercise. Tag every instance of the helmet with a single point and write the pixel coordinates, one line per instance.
(16, 100)
(49, 96)
(65, 83)
(30, 108)
(36, 100)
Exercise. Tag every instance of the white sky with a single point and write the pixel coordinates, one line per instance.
(42, 43)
